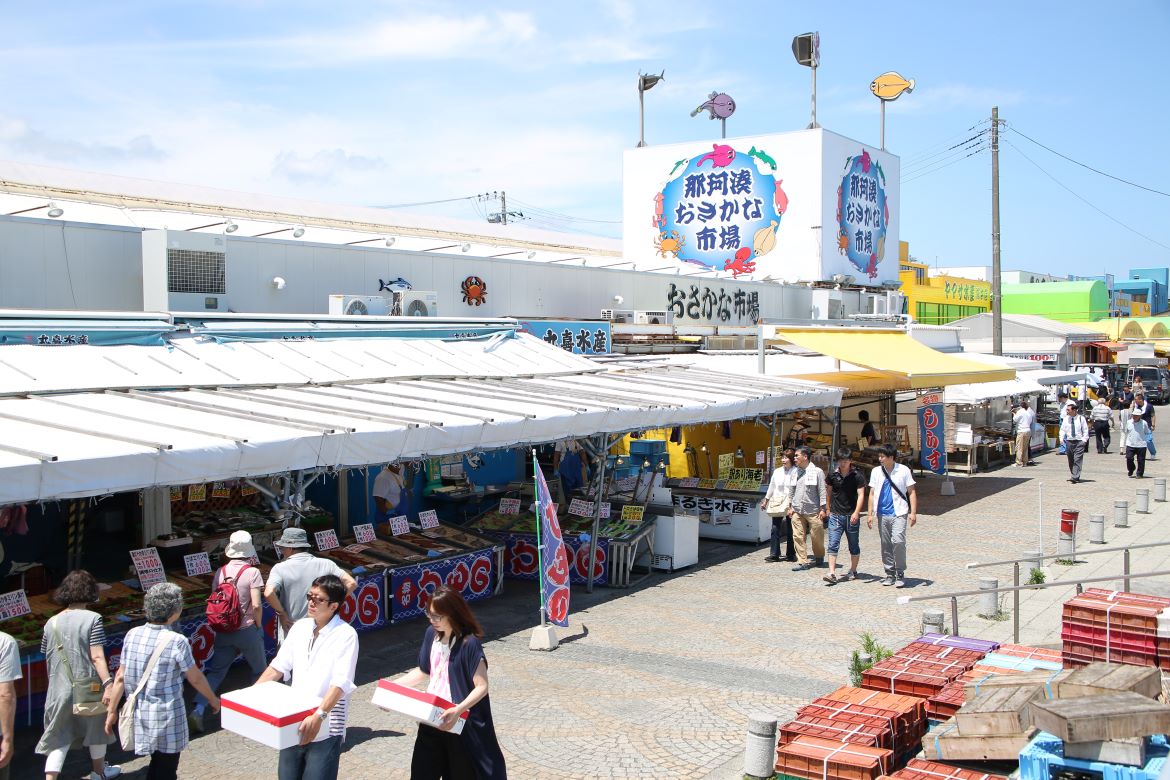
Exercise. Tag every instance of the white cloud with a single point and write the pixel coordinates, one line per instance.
(25, 140)
(326, 165)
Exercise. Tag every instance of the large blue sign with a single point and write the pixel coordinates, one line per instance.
(862, 213)
(581, 338)
(932, 450)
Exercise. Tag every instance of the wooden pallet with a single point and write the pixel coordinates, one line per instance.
(1100, 718)
(1100, 678)
(999, 711)
(946, 744)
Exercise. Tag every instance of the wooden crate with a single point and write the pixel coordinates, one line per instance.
(1046, 683)
(1104, 717)
(1130, 752)
(946, 744)
(1099, 678)
(997, 711)
(822, 759)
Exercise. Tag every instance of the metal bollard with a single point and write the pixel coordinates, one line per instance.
(1121, 514)
(1035, 559)
(1096, 529)
(988, 601)
(1143, 501)
(932, 621)
(760, 757)
(1159, 488)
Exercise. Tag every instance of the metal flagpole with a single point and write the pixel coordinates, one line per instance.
(539, 546)
(597, 513)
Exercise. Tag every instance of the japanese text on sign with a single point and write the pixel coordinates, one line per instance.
(14, 604)
(687, 302)
(726, 463)
(933, 454)
(746, 475)
(197, 493)
(581, 508)
(708, 484)
(428, 518)
(196, 564)
(761, 457)
(606, 508)
(633, 512)
(364, 533)
(327, 540)
(509, 506)
(221, 490)
(399, 525)
(149, 567)
(688, 482)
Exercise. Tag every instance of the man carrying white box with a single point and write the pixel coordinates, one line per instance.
(320, 652)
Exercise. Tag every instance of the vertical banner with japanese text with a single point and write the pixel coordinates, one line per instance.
(932, 449)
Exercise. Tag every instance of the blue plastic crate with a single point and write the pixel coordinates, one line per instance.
(1043, 758)
(645, 447)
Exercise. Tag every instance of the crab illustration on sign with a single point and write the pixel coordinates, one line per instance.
(474, 291)
(863, 213)
(720, 209)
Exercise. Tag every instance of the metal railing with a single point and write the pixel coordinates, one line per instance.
(954, 597)
(1015, 562)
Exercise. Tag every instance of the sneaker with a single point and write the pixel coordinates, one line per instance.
(847, 576)
(107, 773)
(887, 581)
(830, 579)
(819, 563)
(801, 567)
(899, 583)
(771, 559)
(195, 722)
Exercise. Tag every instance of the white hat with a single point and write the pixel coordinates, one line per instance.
(240, 545)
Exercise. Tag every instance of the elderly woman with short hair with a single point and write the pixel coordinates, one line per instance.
(160, 721)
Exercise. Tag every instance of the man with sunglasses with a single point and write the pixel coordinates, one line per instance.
(320, 652)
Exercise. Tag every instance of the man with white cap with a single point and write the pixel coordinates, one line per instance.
(290, 580)
(1135, 433)
(247, 640)
(1074, 435)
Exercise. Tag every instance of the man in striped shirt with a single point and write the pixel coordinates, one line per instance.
(320, 652)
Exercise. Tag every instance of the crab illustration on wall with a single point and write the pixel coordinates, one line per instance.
(474, 291)
(669, 244)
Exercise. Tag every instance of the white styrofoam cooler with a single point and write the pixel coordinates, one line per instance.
(417, 705)
(269, 713)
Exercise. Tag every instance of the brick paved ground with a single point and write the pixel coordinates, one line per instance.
(657, 682)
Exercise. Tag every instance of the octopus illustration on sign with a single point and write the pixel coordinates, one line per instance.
(862, 213)
(721, 210)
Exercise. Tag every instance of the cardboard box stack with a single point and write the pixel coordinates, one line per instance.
(1116, 627)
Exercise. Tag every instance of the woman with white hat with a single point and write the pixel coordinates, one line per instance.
(247, 639)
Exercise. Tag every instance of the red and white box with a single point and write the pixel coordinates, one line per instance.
(419, 706)
(269, 713)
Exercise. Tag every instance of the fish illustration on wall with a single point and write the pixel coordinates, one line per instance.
(720, 156)
(719, 105)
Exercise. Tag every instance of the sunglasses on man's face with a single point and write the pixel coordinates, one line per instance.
(312, 599)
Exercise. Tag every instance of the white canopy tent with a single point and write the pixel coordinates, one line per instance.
(78, 421)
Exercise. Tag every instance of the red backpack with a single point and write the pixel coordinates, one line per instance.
(223, 605)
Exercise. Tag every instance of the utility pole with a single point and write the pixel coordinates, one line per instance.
(996, 299)
(504, 208)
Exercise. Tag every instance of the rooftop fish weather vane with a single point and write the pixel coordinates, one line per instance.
(886, 87)
(719, 106)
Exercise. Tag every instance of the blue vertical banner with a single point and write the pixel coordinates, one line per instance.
(931, 434)
(554, 563)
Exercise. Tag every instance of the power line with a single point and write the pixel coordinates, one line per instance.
(965, 144)
(424, 203)
(562, 216)
(1089, 167)
(1084, 200)
(927, 151)
(921, 174)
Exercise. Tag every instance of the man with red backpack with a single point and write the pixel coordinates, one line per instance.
(234, 612)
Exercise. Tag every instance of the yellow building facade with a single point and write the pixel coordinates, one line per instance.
(937, 300)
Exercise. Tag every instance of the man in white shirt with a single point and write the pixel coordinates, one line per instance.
(320, 652)
(893, 500)
(389, 486)
(1022, 420)
(9, 674)
(1102, 419)
(1074, 435)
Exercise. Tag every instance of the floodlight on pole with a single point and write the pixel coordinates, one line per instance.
(228, 226)
(806, 48)
(645, 81)
(296, 230)
(53, 210)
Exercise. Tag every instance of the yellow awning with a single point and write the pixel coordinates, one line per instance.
(896, 353)
(857, 383)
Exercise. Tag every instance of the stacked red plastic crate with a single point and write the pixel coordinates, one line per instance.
(1115, 626)
(919, 769)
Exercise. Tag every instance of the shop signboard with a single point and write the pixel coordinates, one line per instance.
(149, 567)
(720, 509)
(933, 455)
(411, 586)
(520, 558)
(580, 338)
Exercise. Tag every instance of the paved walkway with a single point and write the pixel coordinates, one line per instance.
(658, 681)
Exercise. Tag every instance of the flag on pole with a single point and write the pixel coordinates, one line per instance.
(554, 563)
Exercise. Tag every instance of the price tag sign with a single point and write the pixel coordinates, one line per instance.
(196, 564)
(726, 464)
(14, 604)
(581, 508)
(429, 518)
(176, 493)
(327, 540)
(632, 512)
(708, 484)
(761, 457)
(197, 493)
(509, 506)
(606, 508)
(688, 482)
(247, 490)
(399, 525)
(221, 490)
(149, 567)
(364, 532)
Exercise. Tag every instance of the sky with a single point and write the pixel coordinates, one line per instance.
(384, 103)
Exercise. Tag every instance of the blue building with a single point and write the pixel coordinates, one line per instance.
(1149, 285)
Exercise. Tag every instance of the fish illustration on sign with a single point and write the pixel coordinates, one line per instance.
(762, 157)
(781, 197)
(764, 240)
(678, 164)
(890, 86)
(720, 105)
(741, 264)
(720, 156)
(659, 221)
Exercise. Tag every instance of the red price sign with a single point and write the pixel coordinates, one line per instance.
(364, 533)
(149, 567)
(509, 506)
(581, 508)
(399, 525)
(327, 540)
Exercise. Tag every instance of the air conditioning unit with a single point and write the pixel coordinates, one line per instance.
(654, 318)
(416, 303)
(359, 304)
(618, 315)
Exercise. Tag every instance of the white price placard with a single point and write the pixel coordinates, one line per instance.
(688, 482)
(199, 563)
(761, 457)
(399, 525)
(581, 508)
(606, 507)
(428, 518)
(327, 540)
(149, 567)
(14, 604)
(509, 506)
(364, 532)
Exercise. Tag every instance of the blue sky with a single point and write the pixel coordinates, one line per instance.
(380, 103)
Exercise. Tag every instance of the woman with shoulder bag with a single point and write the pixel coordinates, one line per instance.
(778, 503)
(75, 656)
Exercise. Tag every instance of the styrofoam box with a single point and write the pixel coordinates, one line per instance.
(417, 705)
(269, 713)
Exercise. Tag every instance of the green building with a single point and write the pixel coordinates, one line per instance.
(1086, 301)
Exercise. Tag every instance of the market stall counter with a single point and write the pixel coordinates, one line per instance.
(726, 508)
